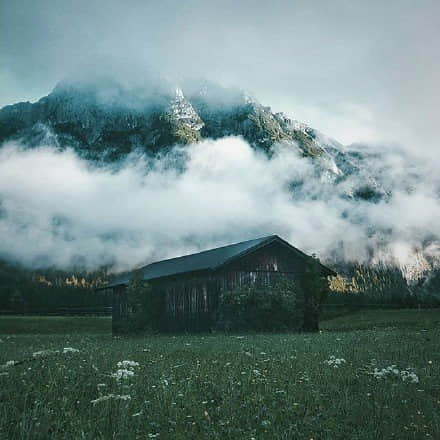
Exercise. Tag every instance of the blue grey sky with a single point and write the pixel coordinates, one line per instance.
(356, 70)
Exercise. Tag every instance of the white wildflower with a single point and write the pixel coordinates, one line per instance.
(123, 374)
(125, 370)
(409, 376)
(70, 350)
(39, 353)
(334, 362)
(128, 364)
(44, 353)
(392, 370)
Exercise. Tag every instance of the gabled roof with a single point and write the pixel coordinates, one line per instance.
(207, 260)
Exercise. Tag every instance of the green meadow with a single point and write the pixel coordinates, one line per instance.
(366, 375)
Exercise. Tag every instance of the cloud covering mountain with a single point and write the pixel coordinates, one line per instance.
(59, 209)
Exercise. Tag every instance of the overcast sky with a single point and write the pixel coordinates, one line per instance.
(356, 70)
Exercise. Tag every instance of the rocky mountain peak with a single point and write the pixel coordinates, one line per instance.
(183, 112)
(104, 120)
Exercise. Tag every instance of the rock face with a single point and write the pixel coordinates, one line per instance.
(103, 121)
(108, 121)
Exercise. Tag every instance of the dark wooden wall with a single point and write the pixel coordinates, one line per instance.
(188, 301)
(119, 307)
(192, 299)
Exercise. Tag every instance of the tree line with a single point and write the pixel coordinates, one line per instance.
(360, 285)
(49, 291)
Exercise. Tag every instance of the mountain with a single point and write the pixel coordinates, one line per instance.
(104, 121)
(379, 202)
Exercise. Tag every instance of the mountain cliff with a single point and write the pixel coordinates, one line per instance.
(104, 121)
(96, 117)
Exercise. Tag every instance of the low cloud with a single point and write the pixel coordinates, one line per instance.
(57, 209)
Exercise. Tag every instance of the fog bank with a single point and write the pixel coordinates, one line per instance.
(59, 210)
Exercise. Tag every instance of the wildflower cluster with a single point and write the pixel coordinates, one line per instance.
(122, 374)
(392, 370)
(43, 353)
(9, 364)
(39, 354)
(334, 362)
(128, 364)
(70, 350)
(125, 370)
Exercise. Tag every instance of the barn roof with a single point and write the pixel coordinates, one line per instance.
(210, 259)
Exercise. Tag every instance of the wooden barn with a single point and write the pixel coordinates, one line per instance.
(190, 285)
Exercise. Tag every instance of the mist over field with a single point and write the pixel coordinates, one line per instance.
(60, 210)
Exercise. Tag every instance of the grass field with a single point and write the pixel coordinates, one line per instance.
(383, 381)
(37, 325)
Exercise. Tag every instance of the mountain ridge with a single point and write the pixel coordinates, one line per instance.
(104, 121)
(88, 114)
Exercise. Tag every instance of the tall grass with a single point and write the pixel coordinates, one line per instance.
(269, 386)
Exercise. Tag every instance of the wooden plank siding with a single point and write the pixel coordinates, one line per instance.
(191, 299)
(119, 305)
(187, 302)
